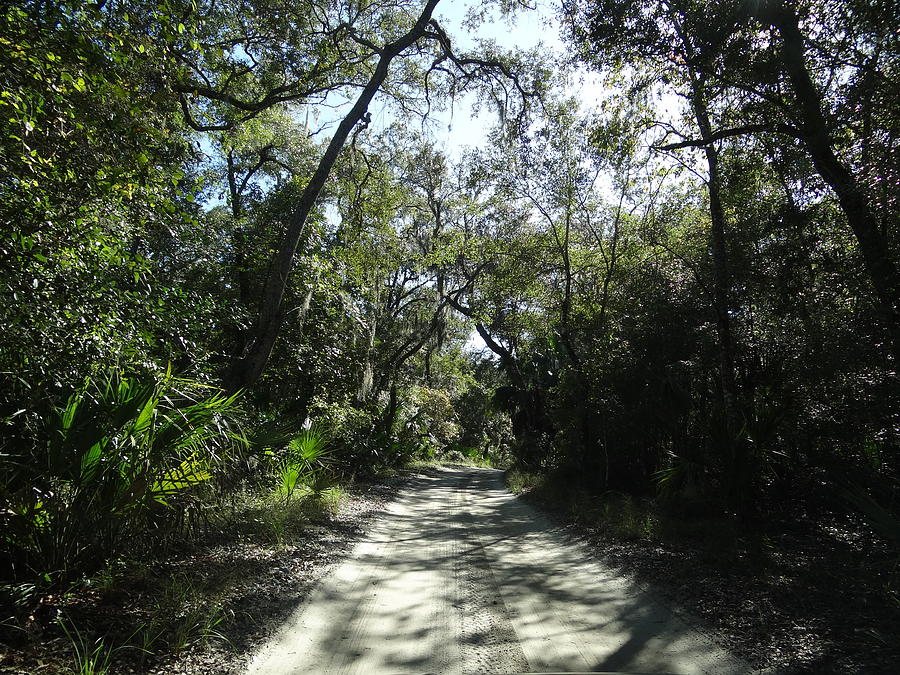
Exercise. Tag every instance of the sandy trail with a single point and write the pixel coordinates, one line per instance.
(461, 577)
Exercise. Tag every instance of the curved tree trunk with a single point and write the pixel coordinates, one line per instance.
(246, 369)
(816, 138)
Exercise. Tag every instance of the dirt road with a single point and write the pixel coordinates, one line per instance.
(461, 577)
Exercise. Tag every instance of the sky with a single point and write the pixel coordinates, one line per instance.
(525, 31)
(456, 128)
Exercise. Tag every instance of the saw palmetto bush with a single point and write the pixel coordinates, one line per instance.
(300, 465)
(121, 462)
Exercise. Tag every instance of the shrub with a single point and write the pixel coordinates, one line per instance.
(122, 457)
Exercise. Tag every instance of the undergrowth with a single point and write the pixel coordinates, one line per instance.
(164, 607)
(419, 463)
(623, 516)
(454, 456)
(794, 593)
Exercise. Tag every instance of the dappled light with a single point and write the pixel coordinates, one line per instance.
(460, 576)
(261, 259)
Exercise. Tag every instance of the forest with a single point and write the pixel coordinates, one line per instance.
(239, 269)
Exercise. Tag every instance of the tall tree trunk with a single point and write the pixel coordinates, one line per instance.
(389, 418)
(610, 263)
(816, 138)
(718, 246)
(367, 367)
(566, 308)
(741, 479)
(246, 369)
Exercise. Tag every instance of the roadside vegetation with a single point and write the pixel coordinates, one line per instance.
(227, 304)
(803, 592)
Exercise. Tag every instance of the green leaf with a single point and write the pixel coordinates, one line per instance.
(142, 422)
(90, 462)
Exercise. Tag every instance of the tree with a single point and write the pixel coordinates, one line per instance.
(423, 32)
(758, 52)
(815, 132)
(95, 172)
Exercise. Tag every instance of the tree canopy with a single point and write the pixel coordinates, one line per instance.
(206, 243)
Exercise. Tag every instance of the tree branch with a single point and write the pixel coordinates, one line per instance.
(728, 133)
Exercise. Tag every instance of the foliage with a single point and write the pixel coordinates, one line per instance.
(94, 171)
(89, 659)
(122, 454)
(556, 300)
(301, 463)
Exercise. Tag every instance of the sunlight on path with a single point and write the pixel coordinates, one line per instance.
(461, 577)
